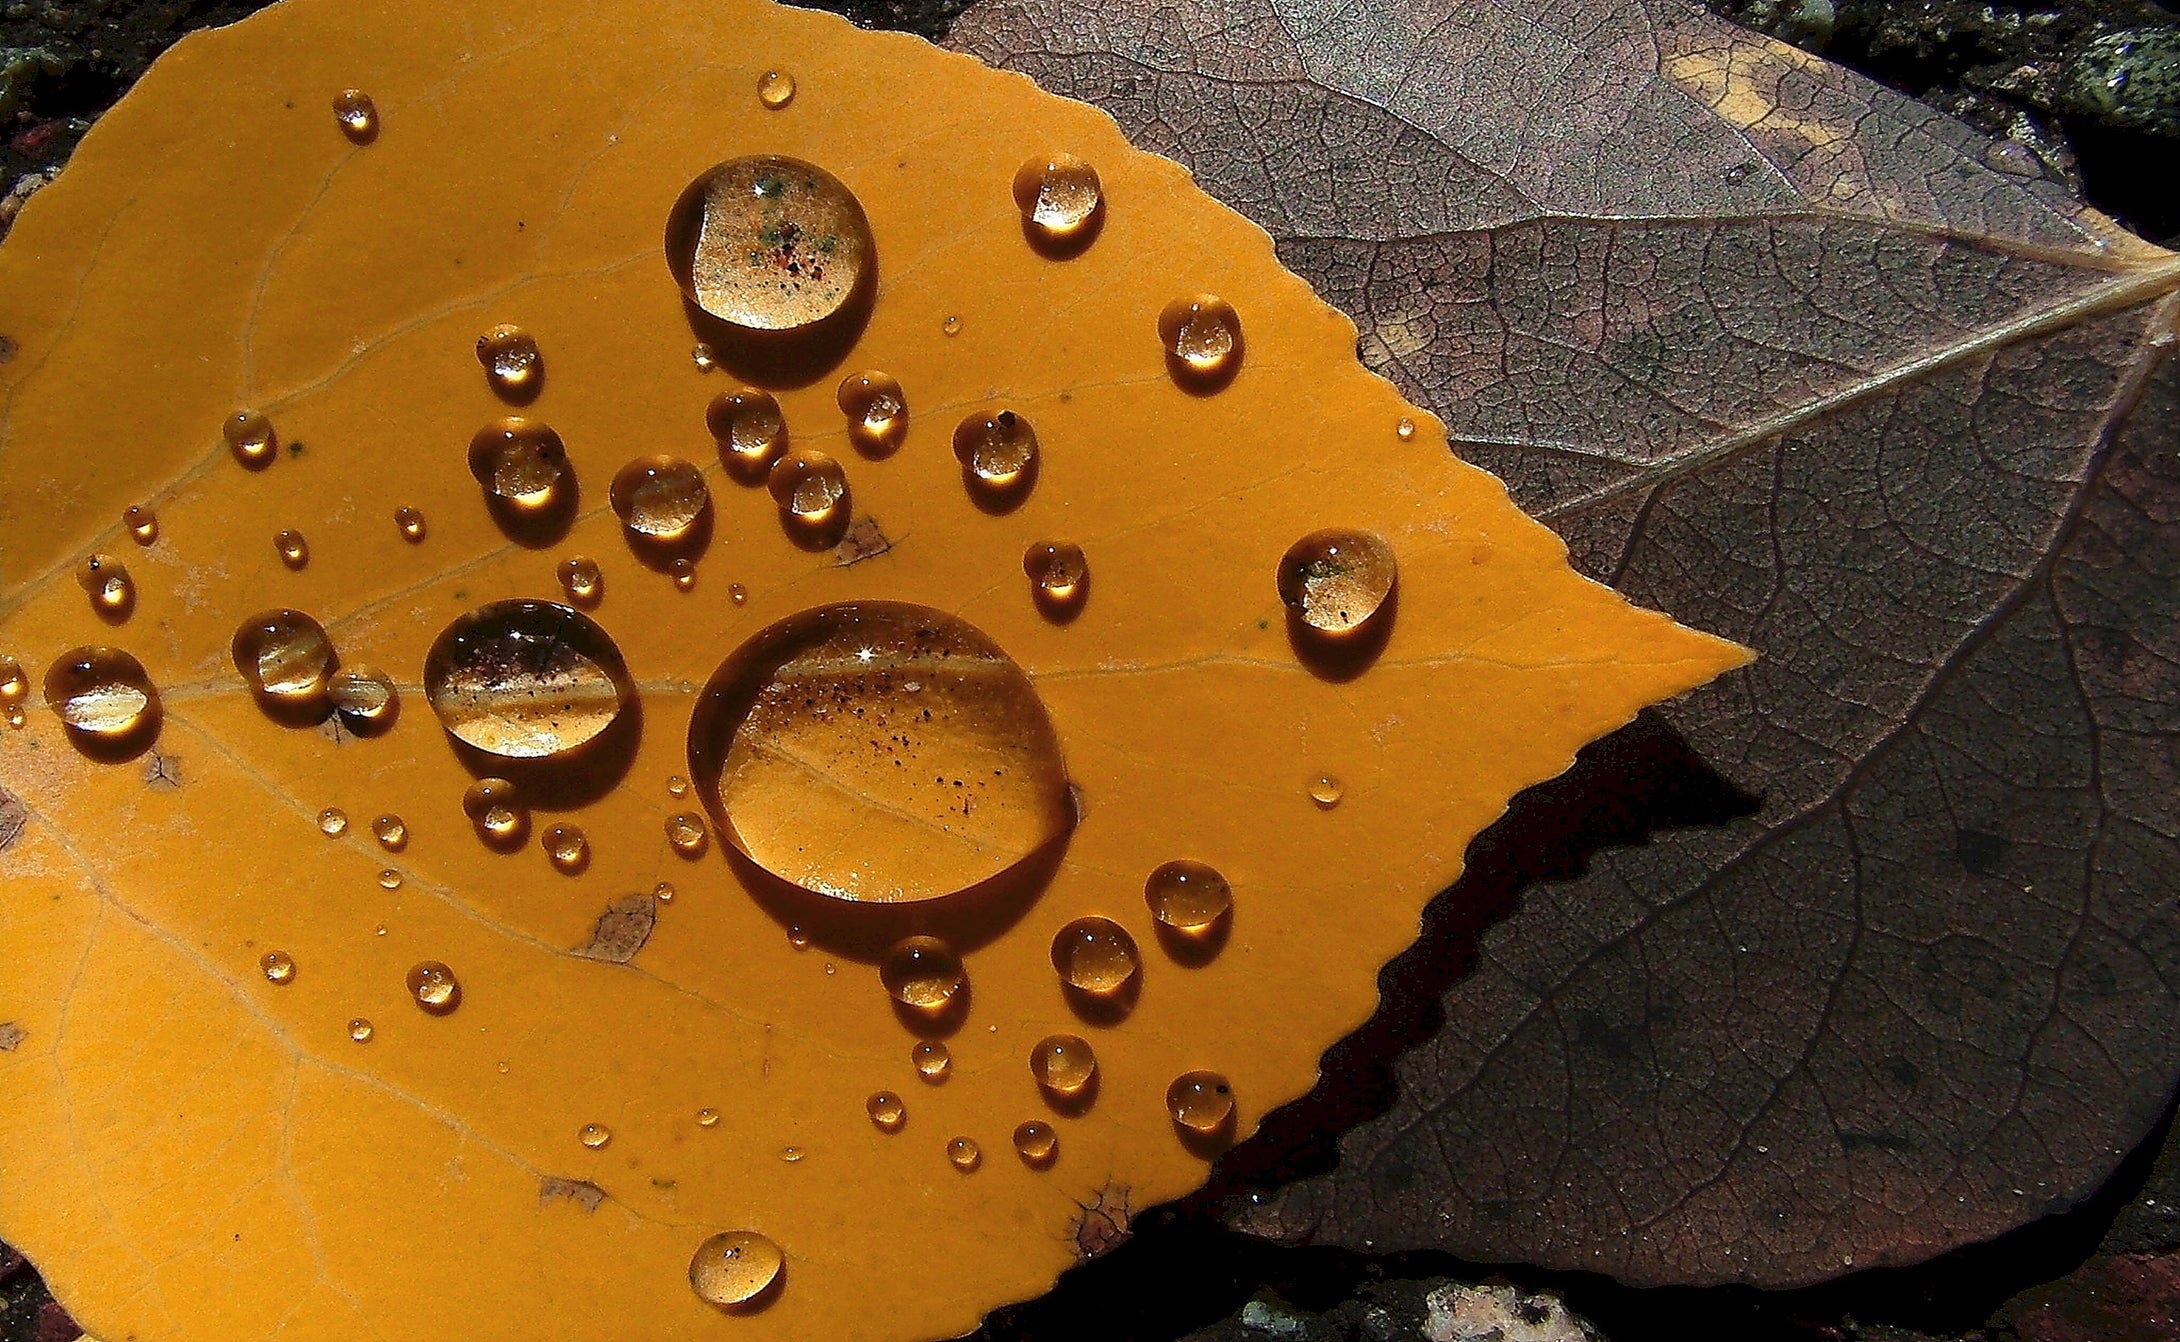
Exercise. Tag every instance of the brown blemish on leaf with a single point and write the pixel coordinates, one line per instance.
(11, 1036)
(1102, 1226)
(162, 771)
(865, 540)
(581, 1192)
(7, 348)
(13, 816)
(622, 929)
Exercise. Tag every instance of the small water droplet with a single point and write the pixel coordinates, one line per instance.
(251, 437)
(659, 497)
(683, 572)
(703, 357)
(922, 972)
(768, 244)
(410, 522)
(581, 579)
(107, 582)
(494, 806)
(886, 1111)
(775, 89)
(663, 892)
(1059, 576)
(1037, 1144)
(14, 683)
(520, 461)
(951, 326)
(389, 879)
(1202, 336)
(1404, 430)
(808, 485)
(738, 594)
(1188, 896)
(391, 832)
(1326, 791)
(798, 938)
(364, 696)
(998, 451)
(101, 693)
(676, 786)
(1059, 196)
(333, 822)
(360, 1030)
(1095, 956)
(142, 522)
(750, 430)
(526, 679)
(2013, 158)
(685, 831)
(594, 1135)
(285, 658)
(1334, 581)
(707, 1118)
(567, 848)
(293, 550)
(279, 967)
(791, 1154)
(931, 1059)
(876, 409)
(357, 114)
(512, 364)
(434, 988)
(1200, 1102)
(1063, 1064)
(964, 1154)
(734, 1268)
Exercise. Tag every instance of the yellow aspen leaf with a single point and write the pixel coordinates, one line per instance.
(466, 917)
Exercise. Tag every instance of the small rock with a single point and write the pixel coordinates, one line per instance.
(2129, 79)
(1500, 1312)
(1273, 1318)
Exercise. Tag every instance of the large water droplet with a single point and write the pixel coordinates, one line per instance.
(106, 581)
(775, 89)
(1187, 896)
(923, 973)
(285, 658)
(886, 1111)
(251, 437)
(734, 1268)
(434, 988)
(1334, 581)
(526, 679)
(1200, 1102)
(521, 461)
(392, 833)
(101, 693)
(876, 409)
(365, 697)
(964, 1154)
(768, 244)
(1096, 956)
(659, 497)
(494, 806)
(512, 364)
(1037, 1144)
(1059, 196)
(279, 967)
(998, 451)
(1063, 1064)
(357, 114)
(880, 752)
(750, 429)
(808, 485)
(932, 1060)
(1202, 336)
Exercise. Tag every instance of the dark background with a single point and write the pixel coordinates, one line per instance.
(2092, 87)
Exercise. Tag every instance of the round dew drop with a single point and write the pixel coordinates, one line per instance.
(659, 497)
(676, 786)
(1202, 337)
(360, 1030)
(391, 832)
(887, 1112)
(1335, 581)
(931, 1060)
(683, 572)
(734, 1268)
(512, 364)
(1063, 1064)
(594, 1135)
(357, 115)
(526, 679)
(279, 967)
(293, 550)
(1200, 1102)
(389, 879)
(333, 822)
(14, 683)
(922, 973)
(876, 409)
(1187, 896)
(964, 1154)
(1058, 574)
(950, 327)
(686, 833)
(737, 594)
(1095, 956)
(1037, 1144)
(1326, 791)
(775, 89)
(251, 437)
(364, 696)
(142, 522)
(434, 988)
(495, 807)
(997, 450)
(663, 892)
(567, 848)
(410, 523)
(807, 484)
(769, 244)
(1059, 196)
(520, 461)
(707, 1118)
(581, 580)
(100, 692)
(750, 430)
(107, 582)
(285, 657)
(1405, 430)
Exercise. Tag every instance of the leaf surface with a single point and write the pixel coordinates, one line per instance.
(1811, 364)
(209, 1152)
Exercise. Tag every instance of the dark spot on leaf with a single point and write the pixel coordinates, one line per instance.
(1979, 850)
(1103, 1225)
(11, 1036)
(13, 816)
(162, 771)
(7, 348)
(622, 929)
(865, 540)
(581, 1192)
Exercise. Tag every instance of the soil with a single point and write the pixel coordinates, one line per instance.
(2092, 87)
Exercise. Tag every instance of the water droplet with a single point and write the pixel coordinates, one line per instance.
(1404, 430)
(922, 972)
(707, 1118)
(999, 450)
(1059, 576)
(410, 522)
(357, 114)
(391, 832)
(359, 1030)
(1058, 195)
(887, 1113)
(659, 497)
(279, 967)
(1200, 1102)
(142, 522)
(676, 786)
(798, 938)
(1037, 1144)
(807, 484)
(769, 244)
(1063, 1064)
(683, 572)
(663, 892)
(434, 987)
(389, 879)
(525, 679)
(876, 409)
(285, 658)
(932, 1061)
(703, 357)
(106, 580)
(14, 684)
(965, 781)
(581, 580)
(512, 364)
(2013, 158)
(252, 438)
(738, 594)
(750, 430)
(519, 460)
(1334, 581)
(594, 1135)
(686, 832)
(364, 696)
(791, 1154)
(734, 1268)
(101, 693)
(951, 326)
(293, 550)
(775, 89)
(964, 1154)
(333, 822)
(495, 807)
(1095, 956)
(567, 848)
(1326, 791)
(1202, 336)
(1187, 896)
